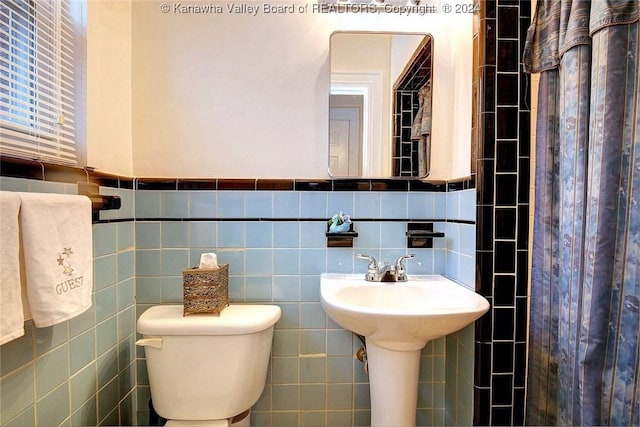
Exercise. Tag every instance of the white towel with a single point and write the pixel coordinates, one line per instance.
(58, 255)
(11, 311)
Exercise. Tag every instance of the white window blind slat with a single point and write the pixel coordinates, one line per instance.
(21, 143)
(51, 134)
(36, 79)
(16, 16)
(45, 148)
(47, 108)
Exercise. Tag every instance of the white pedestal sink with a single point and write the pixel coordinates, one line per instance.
(398, 319)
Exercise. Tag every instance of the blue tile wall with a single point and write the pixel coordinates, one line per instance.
(79, 372)
(275, 244)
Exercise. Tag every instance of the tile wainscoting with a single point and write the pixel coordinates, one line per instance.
(271, 232)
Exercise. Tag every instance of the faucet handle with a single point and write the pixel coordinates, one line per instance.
(400, 261)
(373, 264)
(372, 268)
(400, 268)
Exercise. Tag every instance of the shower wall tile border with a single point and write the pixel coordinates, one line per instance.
(502, 213)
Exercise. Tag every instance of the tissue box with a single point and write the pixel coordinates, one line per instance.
(205, 290)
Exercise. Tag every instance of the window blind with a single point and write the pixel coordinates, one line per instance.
(36, 80)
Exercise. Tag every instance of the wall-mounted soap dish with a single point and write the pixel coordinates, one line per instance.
(421, 234)
(343, 239)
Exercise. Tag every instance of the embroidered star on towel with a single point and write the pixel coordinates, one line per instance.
(67, 270)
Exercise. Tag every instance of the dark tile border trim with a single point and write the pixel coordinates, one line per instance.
(197, 184)
(31, 169)
(313, 185)
(155, 184)
(41, 171)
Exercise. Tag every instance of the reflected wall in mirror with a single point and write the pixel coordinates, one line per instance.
(380, 104)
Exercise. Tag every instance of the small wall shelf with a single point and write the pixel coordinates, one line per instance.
(421, 234)
(341, 240)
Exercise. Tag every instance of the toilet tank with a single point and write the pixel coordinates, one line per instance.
(205, 367)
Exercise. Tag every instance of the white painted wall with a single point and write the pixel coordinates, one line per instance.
(109, 115)
(458, 117)
(236, 95)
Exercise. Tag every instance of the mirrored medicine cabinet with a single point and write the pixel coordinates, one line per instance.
(380, 104)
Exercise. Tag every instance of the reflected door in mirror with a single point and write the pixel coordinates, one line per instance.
(345, 135)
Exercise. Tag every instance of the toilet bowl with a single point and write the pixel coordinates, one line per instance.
(203, 369)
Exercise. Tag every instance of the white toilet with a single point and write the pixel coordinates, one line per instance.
(203, 369)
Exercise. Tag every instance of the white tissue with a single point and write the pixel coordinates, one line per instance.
(208, 260)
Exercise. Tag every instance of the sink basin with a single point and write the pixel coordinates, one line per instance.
(398, 319)
(400, 315)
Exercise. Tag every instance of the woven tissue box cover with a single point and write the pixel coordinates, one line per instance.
(205, 290)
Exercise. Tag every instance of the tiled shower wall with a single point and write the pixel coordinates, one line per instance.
(79, 372)
(502, 166)
(275, 244)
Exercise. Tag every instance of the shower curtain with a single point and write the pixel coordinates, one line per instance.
(584, 352)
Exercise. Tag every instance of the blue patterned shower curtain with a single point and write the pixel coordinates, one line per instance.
(584, 349)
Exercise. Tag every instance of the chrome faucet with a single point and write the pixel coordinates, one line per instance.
(387, 272)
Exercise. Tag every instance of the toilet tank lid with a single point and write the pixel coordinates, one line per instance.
(233, 320)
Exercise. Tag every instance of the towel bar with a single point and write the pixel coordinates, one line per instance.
(105, 203)
(98, 202)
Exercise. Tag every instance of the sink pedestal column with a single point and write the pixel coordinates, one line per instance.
(393, 382)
